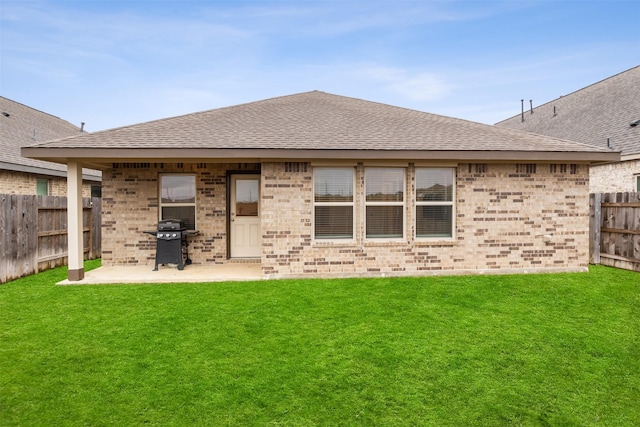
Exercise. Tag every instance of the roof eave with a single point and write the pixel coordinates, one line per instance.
(44, 171)
(104, 156)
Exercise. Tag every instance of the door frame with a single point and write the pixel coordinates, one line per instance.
(230, 174)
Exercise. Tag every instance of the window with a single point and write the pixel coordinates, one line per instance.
(96, 191)
(637, 182)
(333, 203)
(42, 187)
(434, 202)
(384, 203)
(178, 198)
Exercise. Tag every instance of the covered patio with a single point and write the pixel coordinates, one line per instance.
(194, 273)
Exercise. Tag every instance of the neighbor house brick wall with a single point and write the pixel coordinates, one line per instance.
(504, 212)
(25, 183)
(614, 177)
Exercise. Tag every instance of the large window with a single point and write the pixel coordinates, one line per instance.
(178, 198)
(384, 203)
(333, 203)
(434, 202)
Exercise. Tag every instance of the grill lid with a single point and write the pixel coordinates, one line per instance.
(171, 224)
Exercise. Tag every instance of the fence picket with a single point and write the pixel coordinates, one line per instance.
(33, 233)
(614, 229)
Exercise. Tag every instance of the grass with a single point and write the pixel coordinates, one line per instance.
(560, 349)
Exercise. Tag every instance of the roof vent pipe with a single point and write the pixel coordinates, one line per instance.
(522, 109)
(81, 126)
(531, 105)
(608, 143)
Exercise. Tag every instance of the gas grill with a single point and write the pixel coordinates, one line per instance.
(172, 243)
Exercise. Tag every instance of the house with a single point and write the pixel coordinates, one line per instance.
(20, 126)
(606, 115)
(321, 185)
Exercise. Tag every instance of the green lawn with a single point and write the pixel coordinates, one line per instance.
(555, 350)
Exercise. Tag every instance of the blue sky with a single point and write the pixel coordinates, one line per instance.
(114, 63)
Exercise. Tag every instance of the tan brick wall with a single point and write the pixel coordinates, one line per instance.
(26, 183)
(614, 177)
(130, 206)
(502, 218)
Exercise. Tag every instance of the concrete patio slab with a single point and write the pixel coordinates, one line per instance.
(170, 274)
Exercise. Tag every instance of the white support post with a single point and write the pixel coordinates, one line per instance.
(74, 221)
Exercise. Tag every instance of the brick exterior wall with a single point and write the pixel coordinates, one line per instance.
(130, 206)
(614, 177)
(502, 219)
(26, 183)
(506, 221)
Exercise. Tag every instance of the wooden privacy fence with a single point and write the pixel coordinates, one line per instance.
(33, 233)
(615, 230)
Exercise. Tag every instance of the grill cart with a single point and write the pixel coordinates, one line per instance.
(172, 243)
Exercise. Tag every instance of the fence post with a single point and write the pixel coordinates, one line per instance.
(595, 224)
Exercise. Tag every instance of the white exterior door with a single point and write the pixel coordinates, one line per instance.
(244, 217)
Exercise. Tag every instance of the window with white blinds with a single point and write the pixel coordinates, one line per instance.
(434, 202)
(384, 203)
(178, 198)
(333, 190)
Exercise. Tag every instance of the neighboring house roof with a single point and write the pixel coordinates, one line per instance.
(604, 110)
(312, 125)
(21, 126)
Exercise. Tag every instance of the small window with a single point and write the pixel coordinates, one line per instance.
(96, 191)
(434, 202)
(178, 198)
(333, 203)
(637, 182)
(384, 203)
(42, 187)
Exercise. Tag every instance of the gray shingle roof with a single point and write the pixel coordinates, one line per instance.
(314, 121)
(21, 126)
(591, 115)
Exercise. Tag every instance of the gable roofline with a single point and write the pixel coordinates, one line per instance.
(20, 124)
(577, 91)
(602, 114)
(53, 116)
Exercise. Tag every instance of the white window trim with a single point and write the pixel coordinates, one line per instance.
(352, 204)
(403, 204)
(179, 205)
(452, 203)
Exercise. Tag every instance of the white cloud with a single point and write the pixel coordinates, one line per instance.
(413, 85)
(117, 63)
